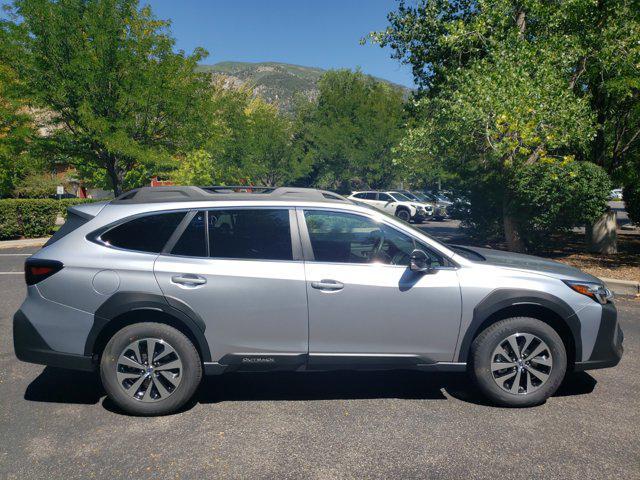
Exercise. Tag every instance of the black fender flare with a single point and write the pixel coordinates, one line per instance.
(402, 207)
(502, 298)
(123, 302)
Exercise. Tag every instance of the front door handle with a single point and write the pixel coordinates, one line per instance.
(189, 280)
(330, 285)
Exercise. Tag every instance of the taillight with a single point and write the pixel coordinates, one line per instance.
(37, 270)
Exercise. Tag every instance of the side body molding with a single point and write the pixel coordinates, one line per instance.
(502, 298)
(125, 302)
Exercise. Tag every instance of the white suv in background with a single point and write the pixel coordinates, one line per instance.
(394, 203)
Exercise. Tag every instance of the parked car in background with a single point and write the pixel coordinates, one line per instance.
(162, 285)
(393, 203)
(616, 194)
(428, 206)
(440, 209)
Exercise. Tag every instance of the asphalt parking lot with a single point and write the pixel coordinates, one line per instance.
(57, 424)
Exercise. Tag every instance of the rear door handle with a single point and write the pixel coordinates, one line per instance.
(330, 285)
(189, 280)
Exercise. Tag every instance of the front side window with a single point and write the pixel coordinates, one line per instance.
(348, 238)
(263, 234)
(145, 234)
(383, 197)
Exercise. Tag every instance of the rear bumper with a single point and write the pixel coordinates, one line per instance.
(608, 349)
(31, 347)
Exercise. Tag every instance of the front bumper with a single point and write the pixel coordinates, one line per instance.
(608, 348)
(31, 347)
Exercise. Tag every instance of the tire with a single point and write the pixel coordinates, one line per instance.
(163, 389)
(403, 214)
(544, 370)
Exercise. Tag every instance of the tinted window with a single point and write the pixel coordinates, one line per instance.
(360, 195)
(193, 241)
(370, 196)
(346, 238)
(383, 197)
(252, 234)
(145, 234)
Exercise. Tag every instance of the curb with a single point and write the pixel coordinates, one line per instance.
(622, 287)
(26, 242)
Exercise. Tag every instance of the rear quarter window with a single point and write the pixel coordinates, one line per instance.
(149, 233)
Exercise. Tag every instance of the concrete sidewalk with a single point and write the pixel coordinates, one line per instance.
(24, 243)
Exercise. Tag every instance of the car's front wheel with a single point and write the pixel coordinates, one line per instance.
(150, 369)
(403, 214)
(518, 362)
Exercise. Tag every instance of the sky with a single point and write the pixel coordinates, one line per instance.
(314, 33)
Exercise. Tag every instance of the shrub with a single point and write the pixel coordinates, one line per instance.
(33, 217)
(9, 225)
(27, 217)
(546, 197)
(552, 197)
(631, 194)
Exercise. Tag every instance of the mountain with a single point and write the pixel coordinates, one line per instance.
(274, 81)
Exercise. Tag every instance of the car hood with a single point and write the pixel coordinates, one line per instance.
(520, 261)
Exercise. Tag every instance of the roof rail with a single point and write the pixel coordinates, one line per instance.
(238, 189)
(212, 193)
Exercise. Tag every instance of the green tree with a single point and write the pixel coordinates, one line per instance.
(503, 86)
(247, 141)
(17, 125)
(349, 132)
(106, 68)
(271, 157)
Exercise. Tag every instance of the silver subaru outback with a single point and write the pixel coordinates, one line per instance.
(161, 285)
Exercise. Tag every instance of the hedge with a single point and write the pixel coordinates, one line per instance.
(32, 217)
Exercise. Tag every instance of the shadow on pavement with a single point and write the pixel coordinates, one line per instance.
(67, 386)
(58, 385)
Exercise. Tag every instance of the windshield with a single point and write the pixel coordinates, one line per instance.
(409, 195)
(400, 197)
(423, 197)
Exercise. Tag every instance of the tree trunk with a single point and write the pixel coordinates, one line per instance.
(512, 235)
(601, 236)
(115, 174)
(510, 225)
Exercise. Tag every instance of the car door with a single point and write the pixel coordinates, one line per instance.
(365, 304)
(386, 203)
(241, 271)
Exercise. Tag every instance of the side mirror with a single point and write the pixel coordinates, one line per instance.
(420, 262)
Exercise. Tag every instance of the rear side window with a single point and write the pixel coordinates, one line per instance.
(250, 234)
(370, 196)
(145, 234)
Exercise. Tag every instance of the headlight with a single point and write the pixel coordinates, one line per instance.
(596, 291)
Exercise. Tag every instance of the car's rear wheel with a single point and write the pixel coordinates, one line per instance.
(150, 369)
(518, 362)
(403, 214)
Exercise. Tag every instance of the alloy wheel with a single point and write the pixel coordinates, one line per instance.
(404, 215)
(521, 363)
(149, 369)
